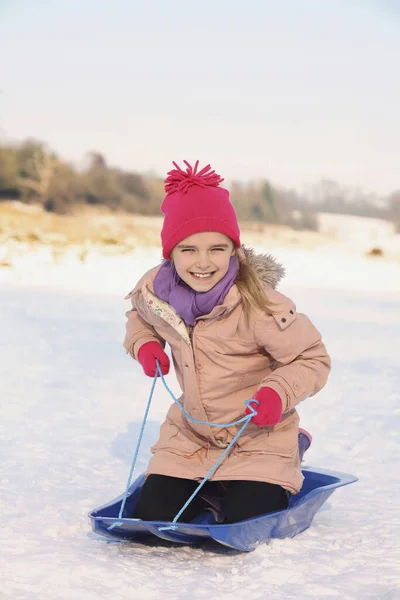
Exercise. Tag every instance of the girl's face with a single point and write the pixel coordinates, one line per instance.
(202, 259)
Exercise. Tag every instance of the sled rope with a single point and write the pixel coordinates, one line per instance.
(245, 420)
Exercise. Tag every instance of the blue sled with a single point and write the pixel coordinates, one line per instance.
(318, 485)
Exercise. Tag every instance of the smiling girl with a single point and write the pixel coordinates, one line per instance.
(232, 337)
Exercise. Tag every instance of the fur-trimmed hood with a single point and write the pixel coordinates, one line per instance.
(267, 267)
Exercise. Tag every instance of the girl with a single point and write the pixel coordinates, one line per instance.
(232, 338)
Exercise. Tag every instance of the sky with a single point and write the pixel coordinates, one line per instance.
(291, 90)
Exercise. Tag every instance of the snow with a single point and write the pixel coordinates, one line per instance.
(72, 404)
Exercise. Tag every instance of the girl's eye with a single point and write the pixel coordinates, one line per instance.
(217, 249)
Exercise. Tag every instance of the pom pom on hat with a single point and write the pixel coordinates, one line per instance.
(194, 203)
(179, 180)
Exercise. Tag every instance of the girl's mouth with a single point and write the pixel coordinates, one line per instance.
(202, 276)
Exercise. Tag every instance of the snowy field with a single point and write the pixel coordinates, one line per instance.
(71, 407)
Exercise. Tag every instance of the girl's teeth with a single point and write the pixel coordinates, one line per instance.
(202, 275)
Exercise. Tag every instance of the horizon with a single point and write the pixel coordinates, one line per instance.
(309, 91)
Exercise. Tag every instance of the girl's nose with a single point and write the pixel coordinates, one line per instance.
(203, 261)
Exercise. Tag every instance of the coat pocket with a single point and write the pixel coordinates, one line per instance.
(173, 440)
(280, 441)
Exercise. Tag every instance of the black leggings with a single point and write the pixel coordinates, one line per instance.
(162, 497)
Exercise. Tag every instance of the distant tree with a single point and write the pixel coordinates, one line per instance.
(43, 178)
(65, 190)
(274, 203)
(258, 202)
(99, 184)
(134, 194)
(328, 196)
(8, 173)
(305, 219)
(36, 169)
(394, 209)
(32, 172)
(97, 162)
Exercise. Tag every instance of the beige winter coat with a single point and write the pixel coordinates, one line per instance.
(222, 364)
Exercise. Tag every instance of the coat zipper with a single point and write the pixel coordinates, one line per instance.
(191, 331)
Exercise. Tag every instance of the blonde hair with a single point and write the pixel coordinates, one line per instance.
(252, 290)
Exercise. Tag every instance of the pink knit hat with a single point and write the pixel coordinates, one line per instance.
(194, 202)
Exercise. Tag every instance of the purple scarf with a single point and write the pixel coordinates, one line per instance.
(188, 303)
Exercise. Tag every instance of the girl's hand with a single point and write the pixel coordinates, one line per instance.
(147, 356)
(269, 410)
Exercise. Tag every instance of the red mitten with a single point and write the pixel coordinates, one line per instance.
(269, 410)
(147, 356)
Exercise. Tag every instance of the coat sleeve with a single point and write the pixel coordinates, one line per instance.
(302, 362)
(138, 330)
